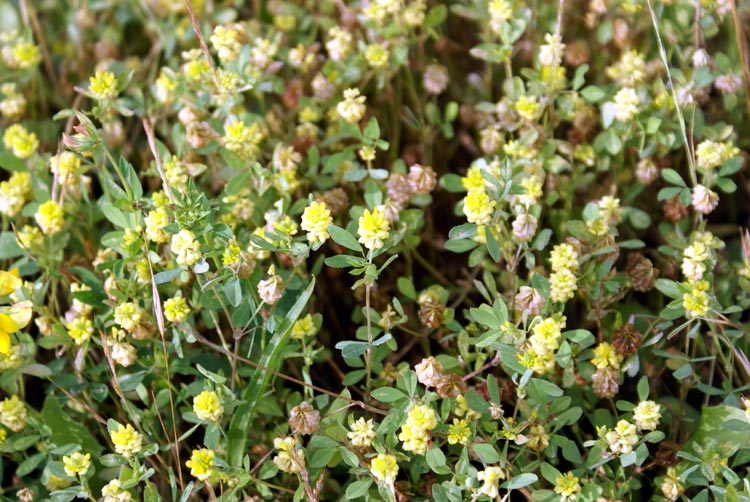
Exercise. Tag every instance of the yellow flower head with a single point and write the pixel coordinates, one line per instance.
(201, 463)
(9, 281)
(127, 440)
(605, 356)
(384, 467)
(207, 405)
(373, 229)
(21, 142)
(103, 84)
(77, 464)
(315, 221)
(478, 207)
(13, 319)
(49, 217)
(303, 327)
(567, 486)
(459, 432)
(176, 309)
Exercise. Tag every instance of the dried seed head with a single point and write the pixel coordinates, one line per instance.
(336, 200)
(627, 340)
(431, 314)
(606, 382)
(666, 454)
(451, 386)
(529, 300)
(422, 179)
(674, 210)
(429, 371)
(641, 272)
(398, 188)
(304, 419)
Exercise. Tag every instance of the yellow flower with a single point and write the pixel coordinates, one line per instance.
(567, 486)
(80, 329)
(127, 440)
(155, 223)
(528, 107)
(21, 142)
(26, 54)
(243, 139)
(13, 319)
(647, 415)
(473, 179)
(128, 315)
(287, 459)
(415, 432)
(697, 302)
(186, 247)
(478, 207)
(103, 84)
(207, 405)
(605, 356)
(9, 282)
(176, 309)
(564, 257)
(201, 463)
(376, 55)
(362, 433)
(315, 221)
(49, 217)
(303, 327)
(77, 464)
(490, 477)
(459, 432)
(353, 107)
(13, 413)
(384, 467)
(373, 229)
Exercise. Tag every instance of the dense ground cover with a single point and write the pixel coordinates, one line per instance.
(383, 250)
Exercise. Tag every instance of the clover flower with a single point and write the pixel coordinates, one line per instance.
(49, 217)
(704, 200)
(528, 107)
(21, 142)
(415, 432)
(567, 486)
(490, 478)
(207, 405)
(459, 432)
(127, 440)
(201, 463)
(478, 207)
(605, 356)
(103, 85)
(14, 193)
(697, 302)
(186, 247)
(627, 104)
(362, 433)
(13, 413)
(176, 309)
(373, 228)
(80, 329)
(270, 289)
(226, 43)
(352, 108)
(155, 222)
(114, 492)
(647, 415)
(128, 315)
(303, 327)
(384, 467)
(622, 438)
(315, 221)
(76, 464)
(288, 460)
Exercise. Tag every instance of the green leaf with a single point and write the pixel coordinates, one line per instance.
(487, 453)
(372, 131)
(435, 17)
(492, 245)
(388, 394)
(726, 185)
(168, 275)
(673, 177)
(351, 349)
(520, 481)
(358, 489)
(669, 288)
(406, 287)
(344, 238)
(436, 460)
(9, 248)
(271, 358)
(592, 94)
(10, 162)
(65, 430)
(233, 291)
